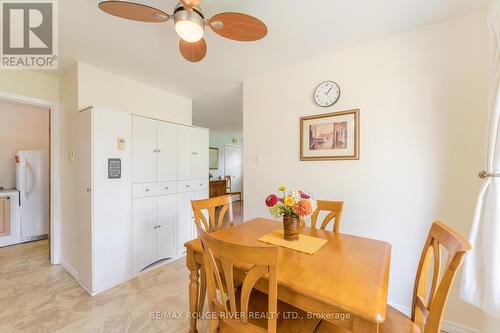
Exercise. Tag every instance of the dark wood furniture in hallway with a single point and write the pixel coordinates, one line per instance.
(217, 188)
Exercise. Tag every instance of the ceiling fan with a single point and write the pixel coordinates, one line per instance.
(190, 22)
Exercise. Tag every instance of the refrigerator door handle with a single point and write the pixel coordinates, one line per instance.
(25, 179)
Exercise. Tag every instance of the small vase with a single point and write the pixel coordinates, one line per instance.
(291, 226)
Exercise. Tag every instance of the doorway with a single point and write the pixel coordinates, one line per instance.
(29, 171)
(234, 168)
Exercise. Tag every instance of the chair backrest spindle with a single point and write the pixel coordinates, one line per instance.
(215, 219)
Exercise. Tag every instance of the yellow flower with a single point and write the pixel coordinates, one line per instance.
(289, 201)
(282, 188)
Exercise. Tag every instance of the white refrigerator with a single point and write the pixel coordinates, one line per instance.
(32, 182)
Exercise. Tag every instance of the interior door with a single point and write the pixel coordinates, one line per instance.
(144, 232)
(143, 150)
(199, 155)
(166, 145)
(234, 167)
(185, 220)
(166, 226)
(184, 157)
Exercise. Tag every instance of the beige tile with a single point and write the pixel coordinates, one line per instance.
(38, 297)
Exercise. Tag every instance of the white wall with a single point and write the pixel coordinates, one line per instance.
(99, 87)
(69, 107)
(29, 84)
(22, 127)
(423, 101)
(219, 140)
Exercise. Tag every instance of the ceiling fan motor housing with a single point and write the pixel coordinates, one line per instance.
(195, 15)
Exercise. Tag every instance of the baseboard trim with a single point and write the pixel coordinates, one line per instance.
(446, 326)
(451, 327)
(71, 271)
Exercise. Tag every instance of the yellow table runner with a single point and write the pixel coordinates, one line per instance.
(306, 244)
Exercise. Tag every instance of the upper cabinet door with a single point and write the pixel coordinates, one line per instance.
(199, 154)
(166, 145)
(184, 150)
(143, 150)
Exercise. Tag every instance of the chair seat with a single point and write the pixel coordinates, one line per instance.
(258, 304)
(395, 322)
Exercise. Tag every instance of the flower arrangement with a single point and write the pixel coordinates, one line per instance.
(296, 204)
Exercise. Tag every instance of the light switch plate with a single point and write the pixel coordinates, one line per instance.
(121, 143)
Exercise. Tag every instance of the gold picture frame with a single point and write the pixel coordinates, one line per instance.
(330, 136)
(213, 158)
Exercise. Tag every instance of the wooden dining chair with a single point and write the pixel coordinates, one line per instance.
(334, 209)
(428, 305)
(215, 209)
(237, 309)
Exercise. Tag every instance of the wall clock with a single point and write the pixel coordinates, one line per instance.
(327, 94)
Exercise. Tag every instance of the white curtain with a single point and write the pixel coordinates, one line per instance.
(481, 279)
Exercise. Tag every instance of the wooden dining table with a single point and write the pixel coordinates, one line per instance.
(345, 282)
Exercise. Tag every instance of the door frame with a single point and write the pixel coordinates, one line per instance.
(242, 166)
(55, 167)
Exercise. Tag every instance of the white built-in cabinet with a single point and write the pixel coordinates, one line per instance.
(154, 149)
(154, 229)
(170, 168)
(103, 207)
(193, 153)
(135, 180)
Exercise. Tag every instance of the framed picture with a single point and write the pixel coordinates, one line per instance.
(330, 136)
(213, 158)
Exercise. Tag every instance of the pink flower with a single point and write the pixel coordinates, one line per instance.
(271, 200)
(304, 195)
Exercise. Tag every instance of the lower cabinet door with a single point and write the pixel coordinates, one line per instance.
(166, 226)
(144, 232)
(199, 195)
(185, 221)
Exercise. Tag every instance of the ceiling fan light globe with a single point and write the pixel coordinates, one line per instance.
(189, 31)
(189, 24)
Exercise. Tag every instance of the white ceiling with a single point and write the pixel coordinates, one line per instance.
(298, 30)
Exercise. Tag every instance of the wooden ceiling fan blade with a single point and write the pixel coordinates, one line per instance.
(238, 26)
(134, 11)
(193, 52)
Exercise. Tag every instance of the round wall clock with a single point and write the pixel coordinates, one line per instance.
(327, 94)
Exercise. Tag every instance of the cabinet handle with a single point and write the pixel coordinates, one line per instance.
(187, 185)
(147, 190)
(155, 227)
(166, 187)
(158, 150)
(88, 189)
(159, 226)
(194, 153)
(155, 150)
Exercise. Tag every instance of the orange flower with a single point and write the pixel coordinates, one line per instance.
(303, 208)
